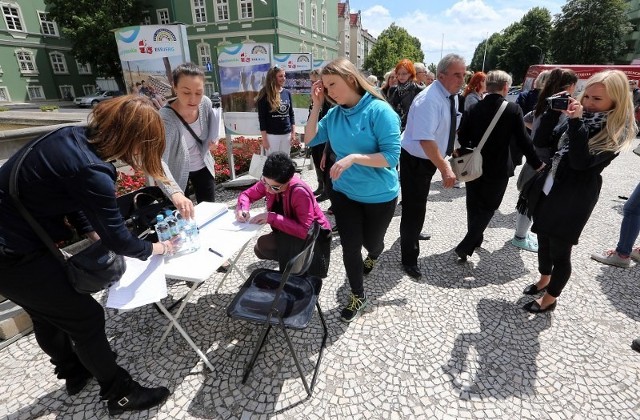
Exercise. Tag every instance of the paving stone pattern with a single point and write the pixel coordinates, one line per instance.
(455, 344)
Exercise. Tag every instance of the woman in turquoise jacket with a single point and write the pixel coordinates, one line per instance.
(364, 133)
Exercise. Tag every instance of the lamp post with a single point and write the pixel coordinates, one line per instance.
(541, 56)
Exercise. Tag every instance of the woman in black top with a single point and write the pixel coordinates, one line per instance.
(402, 95)
(275, 113)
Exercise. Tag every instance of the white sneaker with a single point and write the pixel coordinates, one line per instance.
(528, 244)
(635, 254)
(611, 257)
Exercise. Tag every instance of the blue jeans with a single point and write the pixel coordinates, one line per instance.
(630, 226)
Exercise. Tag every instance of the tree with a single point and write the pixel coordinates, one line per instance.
(88, 24)
(394, 44)
(517, 47)
(590, 32)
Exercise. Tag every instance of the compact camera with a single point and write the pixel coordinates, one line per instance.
(559, 102)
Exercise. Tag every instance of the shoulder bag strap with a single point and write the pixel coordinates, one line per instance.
(495, 119)
(14, 193)
(185, 124)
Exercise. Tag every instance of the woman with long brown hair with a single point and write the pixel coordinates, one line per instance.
(275, 113)
(69, 177)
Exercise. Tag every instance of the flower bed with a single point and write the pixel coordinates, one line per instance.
(243, 150)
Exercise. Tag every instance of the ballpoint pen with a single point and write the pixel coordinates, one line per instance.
(215, 252)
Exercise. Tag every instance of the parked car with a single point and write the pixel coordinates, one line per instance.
(94, 99)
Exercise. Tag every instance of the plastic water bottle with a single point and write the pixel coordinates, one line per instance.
(176, 240)
(192, 235)
(162, 229)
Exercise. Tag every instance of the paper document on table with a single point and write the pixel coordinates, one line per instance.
(206, 212)
(236, 226)
(143, 282)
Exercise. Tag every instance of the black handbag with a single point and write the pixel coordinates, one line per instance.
(93, 269)
(140, 208)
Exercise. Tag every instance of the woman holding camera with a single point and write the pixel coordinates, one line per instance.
(599, 125)
(558, 81)
(70, 173)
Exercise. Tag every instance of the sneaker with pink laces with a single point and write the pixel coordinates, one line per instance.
(611, 257)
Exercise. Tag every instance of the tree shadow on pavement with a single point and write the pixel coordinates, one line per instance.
(499, 361)
(621, 286)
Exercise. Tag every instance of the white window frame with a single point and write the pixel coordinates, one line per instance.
(163, 16)
(14, 19)
(4, 94)
(61, 64)
(302, 16)
(71, 90)
(146, 17)
(204, 55)
(314, 17)
(244, 7)
(47, 27)
(199, 12)
(28, 58)
(39, 89)
(83, 68)
(221, 9)
(209, 89)
(324, 21)
(88, 89)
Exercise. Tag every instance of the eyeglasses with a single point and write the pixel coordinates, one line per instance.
(275, 188)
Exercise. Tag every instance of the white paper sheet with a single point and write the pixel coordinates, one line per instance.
(143, 282)
(206, 212)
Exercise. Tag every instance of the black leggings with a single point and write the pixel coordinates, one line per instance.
(203, 184)
(360, 224)
(554, 258)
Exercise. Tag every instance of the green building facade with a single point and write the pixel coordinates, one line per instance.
(35, 61)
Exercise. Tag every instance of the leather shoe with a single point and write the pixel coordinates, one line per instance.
(462, 257)
(138, 398)
(635, 344)
(322, 197)
(532, 289)
(412, 271)
(535, 308)
(424, 236)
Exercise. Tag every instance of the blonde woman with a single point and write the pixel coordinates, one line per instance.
(365, 181)
(599, 125)
(275, 113)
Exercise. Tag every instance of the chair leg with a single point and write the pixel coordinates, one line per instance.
(256, 351)
(295, 358)
(325, 334)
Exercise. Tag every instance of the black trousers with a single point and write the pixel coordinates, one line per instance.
(415, 181)
(316, 155)
(360, 224)
(68, 326)
(484, 196)
(203, 185)
(554, 258)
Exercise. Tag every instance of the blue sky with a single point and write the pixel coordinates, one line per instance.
(464, 23)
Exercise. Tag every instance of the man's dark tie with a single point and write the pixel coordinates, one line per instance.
(452, 128)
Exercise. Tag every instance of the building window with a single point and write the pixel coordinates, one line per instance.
(66, 92)
(246, 9)
(58, 63)
(163, 16)
(35, 92)
(4, 94)
(204, 56)
(47, 26)
(314, 18)
(83, 68)
(209, 89)
(301, 14)
(199, 11)
(88, 89)
(25, 62)
(222, 10)
(324, 21)
(146, 17)
(12, 17)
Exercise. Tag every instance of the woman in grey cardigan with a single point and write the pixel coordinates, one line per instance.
(191, 125)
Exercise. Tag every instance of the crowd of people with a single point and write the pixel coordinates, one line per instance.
(370, 145)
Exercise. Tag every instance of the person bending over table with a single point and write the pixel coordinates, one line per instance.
(291, 210)
(70, 173)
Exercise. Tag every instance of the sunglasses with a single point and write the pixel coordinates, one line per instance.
(275, 188)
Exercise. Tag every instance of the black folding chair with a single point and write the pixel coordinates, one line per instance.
(286, 299)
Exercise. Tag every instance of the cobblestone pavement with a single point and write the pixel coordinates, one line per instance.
(455, 344)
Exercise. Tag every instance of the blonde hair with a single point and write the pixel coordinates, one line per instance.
(620, 129)
(130, 129)
(350, 74)
(271, 89)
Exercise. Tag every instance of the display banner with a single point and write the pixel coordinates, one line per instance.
(297, 67)
(148, 53)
